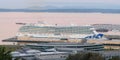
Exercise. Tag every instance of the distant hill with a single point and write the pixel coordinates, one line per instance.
(84, 10)
(65, 10)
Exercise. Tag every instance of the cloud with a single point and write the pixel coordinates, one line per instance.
(83, 1)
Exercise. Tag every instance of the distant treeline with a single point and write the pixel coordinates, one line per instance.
(64, 10)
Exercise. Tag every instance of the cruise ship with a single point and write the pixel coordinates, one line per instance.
(54, 31)
(45, 32)
(41, 32)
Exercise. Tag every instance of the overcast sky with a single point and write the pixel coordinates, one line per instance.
(15, 4)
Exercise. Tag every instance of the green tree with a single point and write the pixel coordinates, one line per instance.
(85, 56)
(115, 58)
(4, 54)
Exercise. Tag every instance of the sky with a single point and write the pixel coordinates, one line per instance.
(20, 4)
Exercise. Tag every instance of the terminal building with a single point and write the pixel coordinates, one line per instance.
(67, 47)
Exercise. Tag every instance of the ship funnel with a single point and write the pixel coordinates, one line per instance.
(73, 24)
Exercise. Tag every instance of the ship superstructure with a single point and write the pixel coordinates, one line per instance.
(54, 31)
